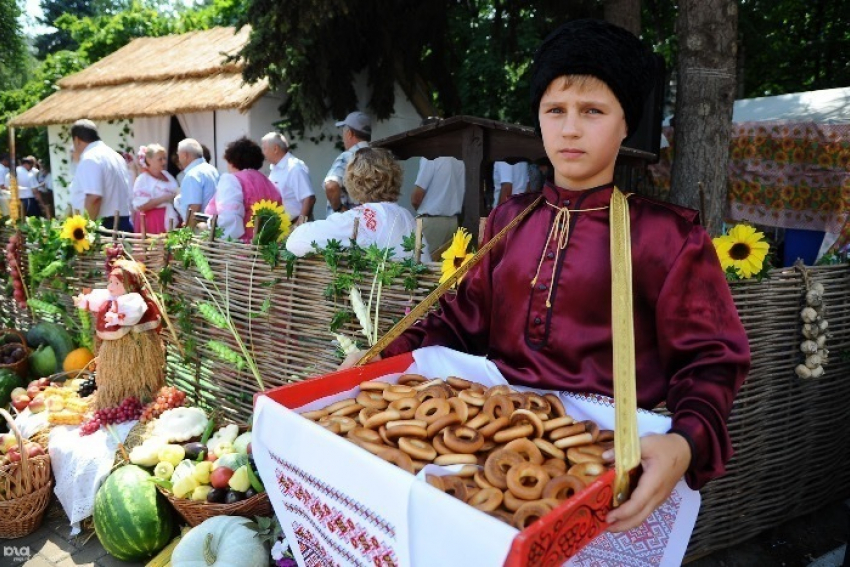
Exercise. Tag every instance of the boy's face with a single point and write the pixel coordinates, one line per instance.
(583, 126)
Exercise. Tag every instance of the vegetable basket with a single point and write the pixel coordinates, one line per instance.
(21, 368)
(25, 489)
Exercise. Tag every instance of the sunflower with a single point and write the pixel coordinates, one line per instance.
(274, 222)
(456, 255)
(743, 249)
(75, 229)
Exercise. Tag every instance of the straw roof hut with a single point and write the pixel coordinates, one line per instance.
(153, 76)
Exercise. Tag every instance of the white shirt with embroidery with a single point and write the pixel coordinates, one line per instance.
(148, 187)
(229, 206)
(385, 224)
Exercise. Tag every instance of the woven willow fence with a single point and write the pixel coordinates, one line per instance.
(779, 423)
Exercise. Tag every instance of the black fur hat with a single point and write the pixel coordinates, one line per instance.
(595, 47)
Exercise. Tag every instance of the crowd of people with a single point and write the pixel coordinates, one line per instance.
(362, 188)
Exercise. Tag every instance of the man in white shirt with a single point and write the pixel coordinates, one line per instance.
(28, 186)
(438, 197)
(101, 183)
(291, 176)
(509, 180)
(4, 170)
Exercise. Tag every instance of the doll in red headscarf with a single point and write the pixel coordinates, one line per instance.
(130, 353)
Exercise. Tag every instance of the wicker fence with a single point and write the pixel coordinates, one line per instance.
(780, 425)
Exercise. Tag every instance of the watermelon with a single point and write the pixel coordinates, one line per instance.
(8, 382)
(131, 518)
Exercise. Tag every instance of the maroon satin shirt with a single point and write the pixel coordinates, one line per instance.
(691, 349)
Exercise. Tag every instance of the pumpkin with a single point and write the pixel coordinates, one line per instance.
(77, 360)
(222, 541)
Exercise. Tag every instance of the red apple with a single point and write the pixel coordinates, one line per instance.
(21, 402)
(33, 390)
(211, 456)
(34, 450)
(220, 477)
(37, 405)
(43, 382)
(18, 392)
(14, 455)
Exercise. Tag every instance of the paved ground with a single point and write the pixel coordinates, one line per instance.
(816, 540)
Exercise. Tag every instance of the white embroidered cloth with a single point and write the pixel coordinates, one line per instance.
(80, 465)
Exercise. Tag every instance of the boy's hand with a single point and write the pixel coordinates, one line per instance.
(665, 458)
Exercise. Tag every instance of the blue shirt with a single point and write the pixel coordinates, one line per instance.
(337, 173)
(198, 186)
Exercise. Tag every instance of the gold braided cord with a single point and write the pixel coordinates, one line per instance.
(626, 441)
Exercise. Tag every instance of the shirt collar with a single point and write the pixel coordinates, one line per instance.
(92, 145)
(587, 198)
(197, 162)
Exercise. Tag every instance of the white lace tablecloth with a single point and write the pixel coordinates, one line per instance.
(80, 465)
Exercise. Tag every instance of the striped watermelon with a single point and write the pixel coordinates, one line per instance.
(131, 518)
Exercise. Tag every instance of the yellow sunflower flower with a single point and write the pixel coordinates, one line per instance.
(274, 222)
(743, 249)
(75, 229)
(456, 255)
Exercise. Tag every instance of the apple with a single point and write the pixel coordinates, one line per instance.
(14, 455)
(220, 477)
(21, 402)
(37, 405)
(211, 457)
(7, 441)
(34, 450)
(33, 390)
(43, 382)
(18, 392)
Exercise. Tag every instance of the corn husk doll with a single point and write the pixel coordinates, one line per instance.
(130, 352)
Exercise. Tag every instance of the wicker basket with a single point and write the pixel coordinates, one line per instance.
(195, 512)
(25, 489)
(21, 368)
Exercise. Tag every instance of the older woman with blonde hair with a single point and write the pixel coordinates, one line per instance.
(373, 177)
(154, 192)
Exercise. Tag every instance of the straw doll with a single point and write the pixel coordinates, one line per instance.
(130, 354)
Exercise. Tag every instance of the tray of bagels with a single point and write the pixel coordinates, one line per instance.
(504, 475)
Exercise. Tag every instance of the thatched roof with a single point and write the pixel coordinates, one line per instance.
(153, 76)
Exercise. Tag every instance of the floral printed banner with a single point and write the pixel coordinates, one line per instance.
(783, 174)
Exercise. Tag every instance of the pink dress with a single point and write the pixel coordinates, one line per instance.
(235, 196)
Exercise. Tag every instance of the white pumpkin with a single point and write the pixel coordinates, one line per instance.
(220, 541)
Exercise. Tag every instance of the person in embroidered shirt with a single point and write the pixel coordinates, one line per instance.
(539, 304)
(199, 178)
(154, 192)
(356, 133)
(291, 176)
(130, 355)
(238, 190)
(373, 177)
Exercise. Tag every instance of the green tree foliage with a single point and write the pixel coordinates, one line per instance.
(60, 40)
(13, 56)
(471, 56)
(794, 45)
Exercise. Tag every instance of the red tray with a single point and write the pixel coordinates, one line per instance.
(548, 542)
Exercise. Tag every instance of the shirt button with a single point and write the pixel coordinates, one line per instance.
(541, 287)
(550, 255)
(537, 320)
(566, 202)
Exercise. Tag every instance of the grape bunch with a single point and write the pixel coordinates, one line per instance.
(87, 388)
(14, 254)
(130, 409)
(167, 398)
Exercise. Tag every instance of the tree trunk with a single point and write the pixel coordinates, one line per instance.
(707, 32)
(623, 13)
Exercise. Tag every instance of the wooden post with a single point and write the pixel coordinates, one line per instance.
(213, 222)
(473, 157)
(192, 220)
(417, 249)
(143, 228)
(14, 196)
(115, 220)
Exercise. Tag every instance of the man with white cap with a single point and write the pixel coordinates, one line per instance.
(356, 134)
(291, 176)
